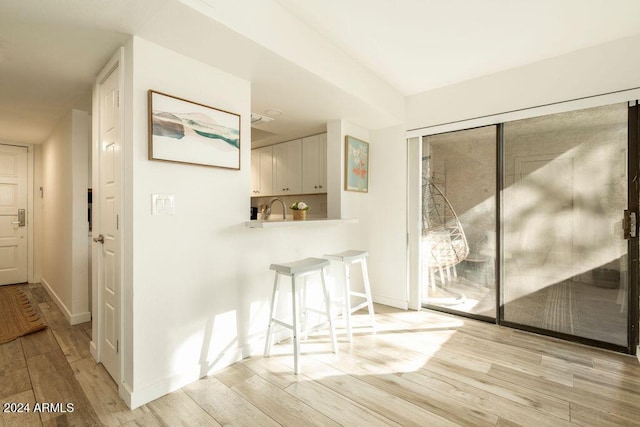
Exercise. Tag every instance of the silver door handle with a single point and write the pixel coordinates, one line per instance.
(99, 239)
(21, 218)
(629, 225)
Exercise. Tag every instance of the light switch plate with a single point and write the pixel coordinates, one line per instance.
(163, 204)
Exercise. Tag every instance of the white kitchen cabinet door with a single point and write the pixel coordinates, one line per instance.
(255, 173)
(314, 164)
(287, 168)
(262, 172)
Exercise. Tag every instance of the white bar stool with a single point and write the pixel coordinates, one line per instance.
(348, 258)
(296, 270)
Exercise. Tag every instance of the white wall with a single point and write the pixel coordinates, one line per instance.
(384, 217)
(593, 71)
(341, 203)
(80, 180)
(64, 223)
(381, 211)
(56, 244)
(199, 279)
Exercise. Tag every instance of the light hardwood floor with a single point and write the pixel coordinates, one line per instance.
(420, 368)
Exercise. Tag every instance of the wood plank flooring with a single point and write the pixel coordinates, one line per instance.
(420, 368)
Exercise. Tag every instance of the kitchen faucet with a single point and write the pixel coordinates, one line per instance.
(284, 209)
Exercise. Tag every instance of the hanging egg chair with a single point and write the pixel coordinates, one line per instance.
(443, 239)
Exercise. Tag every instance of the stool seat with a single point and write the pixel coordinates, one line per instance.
(348, 258)
(350, 255)
(298, 267)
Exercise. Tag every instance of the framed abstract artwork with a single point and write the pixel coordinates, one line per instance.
(187, 132)
(356, 174)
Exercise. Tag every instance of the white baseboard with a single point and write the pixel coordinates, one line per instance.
(80, 318)
(56, 299)
(146, 394)
(125, 394)
(391, 302)
(73, 319)
(638, 353)
(93, 349)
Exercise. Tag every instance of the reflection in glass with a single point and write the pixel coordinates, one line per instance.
(565, 187)
(458, 221)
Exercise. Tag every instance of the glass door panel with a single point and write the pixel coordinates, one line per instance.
(564, 259)
(459, 220)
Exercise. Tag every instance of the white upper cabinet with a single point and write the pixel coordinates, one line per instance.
(287, 168)
(262, 172)
(314, 164)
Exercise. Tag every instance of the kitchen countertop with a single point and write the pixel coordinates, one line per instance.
(291, 223)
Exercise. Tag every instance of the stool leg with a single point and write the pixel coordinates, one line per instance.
(367, 291)
(327, 304)
(347, 301)
(303, 309)
(274, 301)
(296, 327)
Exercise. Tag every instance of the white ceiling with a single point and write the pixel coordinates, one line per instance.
(51, 51)
(418, 45)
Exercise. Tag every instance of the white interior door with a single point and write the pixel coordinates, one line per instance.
(107, 232)
(13, 217)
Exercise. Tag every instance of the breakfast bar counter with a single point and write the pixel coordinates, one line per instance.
(293, 223)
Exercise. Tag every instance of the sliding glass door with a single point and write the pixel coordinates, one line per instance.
(459, 221)
(522, 224)
(564, 192)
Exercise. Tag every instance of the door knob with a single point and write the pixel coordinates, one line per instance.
(99, 239)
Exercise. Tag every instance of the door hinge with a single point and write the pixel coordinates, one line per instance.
(117, 346)
(118, 99)
(117, 222)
